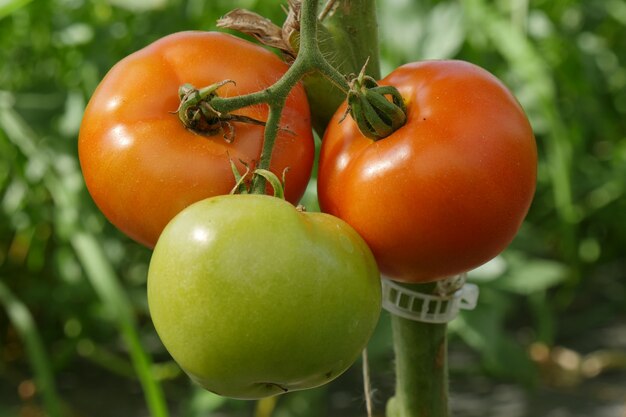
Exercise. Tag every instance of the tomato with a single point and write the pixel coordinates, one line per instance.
(142, 166)
(446, 192)
(254, 298)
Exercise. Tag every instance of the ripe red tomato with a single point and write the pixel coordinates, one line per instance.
(446, 192)
(142, 166)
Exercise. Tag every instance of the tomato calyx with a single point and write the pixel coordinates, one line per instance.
(200, 117)
(376, 116)
(243, 181)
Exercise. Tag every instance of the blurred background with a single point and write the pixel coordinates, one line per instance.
(548, 337)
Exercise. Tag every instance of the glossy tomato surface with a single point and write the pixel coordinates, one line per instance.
(142, 166)
(254, 298)
(446, 192)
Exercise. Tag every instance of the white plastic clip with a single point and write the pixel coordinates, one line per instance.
(427, 308)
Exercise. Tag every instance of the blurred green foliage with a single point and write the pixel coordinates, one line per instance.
(74, 322)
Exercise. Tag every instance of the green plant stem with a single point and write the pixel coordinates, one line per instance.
(354, 29)
(309, 59)
(348, 38)
(265, 407)
(421, 368)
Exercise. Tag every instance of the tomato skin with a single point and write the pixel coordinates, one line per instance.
(446, 192)
(140, 164)
(253, 297)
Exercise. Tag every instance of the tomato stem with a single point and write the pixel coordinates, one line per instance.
(198, 115)
(354, 28)
(265, 407)
(421, 367)
(309, 60)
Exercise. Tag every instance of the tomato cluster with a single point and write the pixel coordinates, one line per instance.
(253, 296)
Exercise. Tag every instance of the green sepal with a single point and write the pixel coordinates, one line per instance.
(393, 113)
(367, 118)
(376, 116)
(272, 178)
(240, 186)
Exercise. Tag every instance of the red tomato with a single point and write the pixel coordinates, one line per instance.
(142, 166)
(446, 192)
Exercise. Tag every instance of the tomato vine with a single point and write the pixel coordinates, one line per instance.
(309, 60)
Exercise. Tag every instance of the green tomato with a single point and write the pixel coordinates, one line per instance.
(254, 298)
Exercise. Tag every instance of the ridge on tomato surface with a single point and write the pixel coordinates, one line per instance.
(254, 298)
(142, 166)
(446, 192)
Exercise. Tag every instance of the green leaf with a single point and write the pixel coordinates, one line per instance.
(490, 271)
(203, 402)
(532, 276)
(484, 330)
(444, 32)
(140, 5)
(413, 31)
(9, 6)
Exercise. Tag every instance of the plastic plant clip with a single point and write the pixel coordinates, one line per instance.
(427, 308)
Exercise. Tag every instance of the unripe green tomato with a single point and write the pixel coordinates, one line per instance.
(254, 298)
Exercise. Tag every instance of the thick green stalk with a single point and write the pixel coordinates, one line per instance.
(348, 37)
(421, 369)
(354, 28)
(421, 357)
